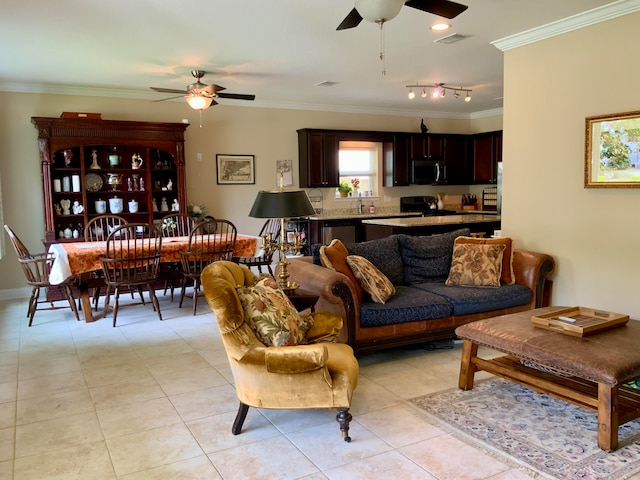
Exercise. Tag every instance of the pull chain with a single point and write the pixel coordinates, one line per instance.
(382, 59)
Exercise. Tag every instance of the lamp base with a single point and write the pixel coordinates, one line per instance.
(283, 276)
(289, 287)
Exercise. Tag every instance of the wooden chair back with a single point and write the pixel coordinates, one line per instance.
(99, 228)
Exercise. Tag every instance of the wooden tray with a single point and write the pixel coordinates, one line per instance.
(587, 321)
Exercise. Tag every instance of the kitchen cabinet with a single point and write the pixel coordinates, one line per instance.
(486, 153)
(396, 162)
(430, 146)
(455, 159)
(84, 161)
(318, 158)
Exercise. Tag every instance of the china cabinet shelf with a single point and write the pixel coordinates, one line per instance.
(103, 159)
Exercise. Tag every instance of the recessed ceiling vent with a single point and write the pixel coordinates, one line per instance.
(326, 83)
(453, 38)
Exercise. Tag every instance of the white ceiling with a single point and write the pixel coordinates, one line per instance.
(277, 50)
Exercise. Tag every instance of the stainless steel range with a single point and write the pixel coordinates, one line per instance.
(425, 204)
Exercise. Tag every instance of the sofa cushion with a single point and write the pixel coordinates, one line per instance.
(407, 305)
(384, 253)
(334, 256)
(475, 265)
(272, 316)
(507, 276)
(428, 259)
(467, 300)
(371, 279)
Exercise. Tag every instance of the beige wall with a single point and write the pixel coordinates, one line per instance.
(269, 134)
(594, 234)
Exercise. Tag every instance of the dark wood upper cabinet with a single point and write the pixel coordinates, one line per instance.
(396, 161)
(426, 146)
(486, 153)
(454, 153)
(318, 158)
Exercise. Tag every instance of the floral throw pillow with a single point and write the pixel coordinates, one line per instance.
(271, 315)
(475, 265)
(372, 280)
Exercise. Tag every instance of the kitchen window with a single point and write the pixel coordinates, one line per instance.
(360, 160)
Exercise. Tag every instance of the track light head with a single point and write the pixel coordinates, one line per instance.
(439, 90)
(411, 95)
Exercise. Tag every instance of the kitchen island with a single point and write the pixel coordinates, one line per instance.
(477, 223)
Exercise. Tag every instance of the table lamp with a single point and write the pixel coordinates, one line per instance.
(281, 204)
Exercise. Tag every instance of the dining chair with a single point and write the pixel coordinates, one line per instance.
(209, 241)
(270, 227)
(174, 225)
(97, 230)
(36, 268)
(131, 260)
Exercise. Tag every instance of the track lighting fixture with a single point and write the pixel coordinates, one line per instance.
(439, 90)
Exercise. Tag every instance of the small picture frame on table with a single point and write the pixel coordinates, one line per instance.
(235, 169)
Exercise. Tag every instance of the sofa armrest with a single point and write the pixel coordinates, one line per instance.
(532, 270)
(335, 291)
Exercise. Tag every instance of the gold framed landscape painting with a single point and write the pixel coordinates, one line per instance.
(612, 151)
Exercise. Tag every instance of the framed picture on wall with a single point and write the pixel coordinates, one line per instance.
(612, 151)
(235, 169)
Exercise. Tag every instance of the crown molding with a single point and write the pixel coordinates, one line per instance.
(575, 22)
(152, 96)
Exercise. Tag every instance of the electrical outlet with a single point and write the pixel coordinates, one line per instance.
(199, 157)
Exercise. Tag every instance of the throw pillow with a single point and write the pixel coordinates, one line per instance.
(372, 280)
(272, 316)
(428, 259)
(476, 265)
(334, 256)
(507, 277)
(384, 253)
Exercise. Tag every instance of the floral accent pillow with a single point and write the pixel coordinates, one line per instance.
(507, 277)
(476, 265)
(372, 280)
(272, 316)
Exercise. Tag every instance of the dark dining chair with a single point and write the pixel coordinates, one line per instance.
(270, 227)
(36, 268)
(209, 241)
(174, 225)
(131, 260)
(97, 230)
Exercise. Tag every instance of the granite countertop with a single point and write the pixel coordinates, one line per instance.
(433, 220)
(363, 216)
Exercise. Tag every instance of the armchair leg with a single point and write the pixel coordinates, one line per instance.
(343, 418)
(242, 414)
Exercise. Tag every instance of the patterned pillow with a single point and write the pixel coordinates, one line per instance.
(476, 265)
(507, 277)
(334, 257)
(372, 280)
(272, 316)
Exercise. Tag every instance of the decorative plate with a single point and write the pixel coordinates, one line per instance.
(93, 182)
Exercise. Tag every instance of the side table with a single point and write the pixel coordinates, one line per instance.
(302, 299)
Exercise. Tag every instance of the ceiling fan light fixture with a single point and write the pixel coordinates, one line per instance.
(198, 101)
(375, 10)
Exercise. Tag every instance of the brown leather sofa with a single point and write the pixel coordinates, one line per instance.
(337, 295)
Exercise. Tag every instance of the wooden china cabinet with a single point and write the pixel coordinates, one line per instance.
(137, 166)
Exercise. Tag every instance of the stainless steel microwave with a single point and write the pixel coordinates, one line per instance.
(425, 171)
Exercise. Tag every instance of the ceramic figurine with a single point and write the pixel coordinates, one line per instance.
(65, 203)
(136, 161)
(94, 160)
(154, 205)
(163, 205)
(170, 185)
(77, 208)
(175, 206)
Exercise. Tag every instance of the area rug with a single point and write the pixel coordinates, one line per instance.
(555, 439)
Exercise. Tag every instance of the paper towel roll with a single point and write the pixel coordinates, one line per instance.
(75, 182)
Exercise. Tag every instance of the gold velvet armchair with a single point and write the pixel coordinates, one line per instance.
(316, 375)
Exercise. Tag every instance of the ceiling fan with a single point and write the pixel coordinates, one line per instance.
(201, 96)
(380, 11)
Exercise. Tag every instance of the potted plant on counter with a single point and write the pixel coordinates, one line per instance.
(344, 189)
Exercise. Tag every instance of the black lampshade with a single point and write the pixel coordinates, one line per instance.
(278, 204)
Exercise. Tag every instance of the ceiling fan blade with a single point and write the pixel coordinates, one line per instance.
(351, 20)
(236, 96)
(168, 90)
(168, 98)
(442, 8)
(213, 89)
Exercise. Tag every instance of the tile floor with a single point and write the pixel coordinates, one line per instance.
(155, 400)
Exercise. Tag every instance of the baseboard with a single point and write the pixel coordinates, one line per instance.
(15, 293)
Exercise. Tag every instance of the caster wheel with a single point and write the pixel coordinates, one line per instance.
(347, 439)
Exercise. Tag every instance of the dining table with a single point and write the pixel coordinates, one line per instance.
(80, 259)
